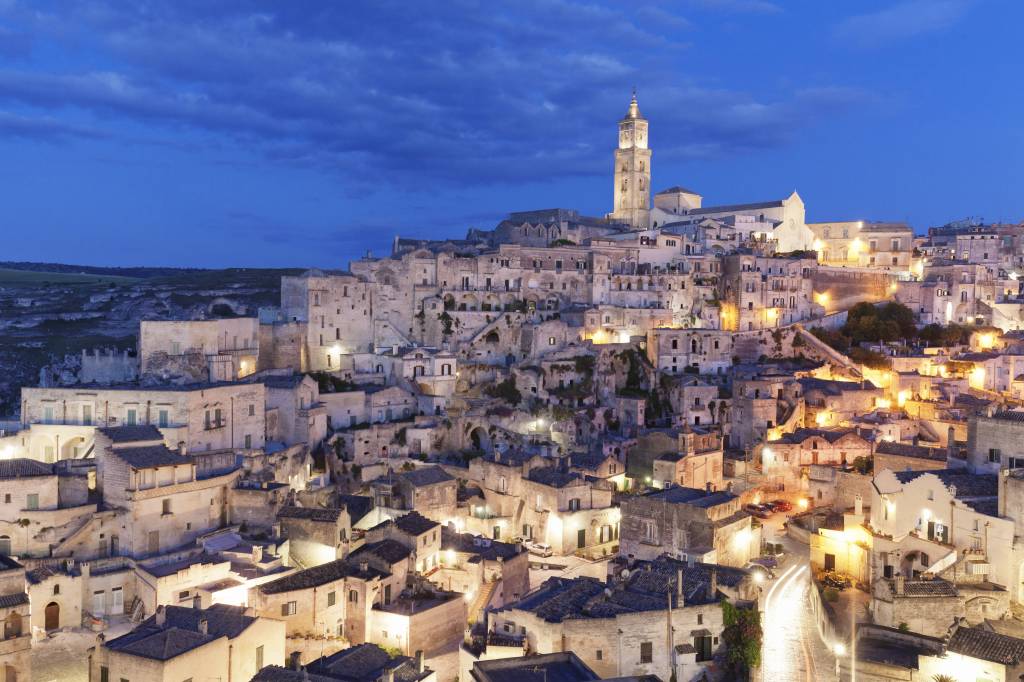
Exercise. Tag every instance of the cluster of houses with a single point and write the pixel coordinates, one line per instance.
(546, 447)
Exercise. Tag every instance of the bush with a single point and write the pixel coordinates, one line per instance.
(507, 391)
(870, 358)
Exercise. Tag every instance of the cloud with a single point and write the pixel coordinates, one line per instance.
(42, 129)
(457, 93)
(901, 21)
(739, 6)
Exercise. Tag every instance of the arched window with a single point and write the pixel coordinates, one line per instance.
(5, 545)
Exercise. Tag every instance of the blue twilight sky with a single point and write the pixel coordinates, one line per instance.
(240, 132)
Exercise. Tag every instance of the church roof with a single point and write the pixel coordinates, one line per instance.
(678, 189)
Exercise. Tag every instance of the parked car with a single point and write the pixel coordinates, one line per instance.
(781, 505)
(766, 561)
(539, 549)
(761, 511)
(760, 569)
(835, 580)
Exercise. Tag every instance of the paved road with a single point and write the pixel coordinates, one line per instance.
(793, 650)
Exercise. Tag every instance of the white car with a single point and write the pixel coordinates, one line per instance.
(539, 548)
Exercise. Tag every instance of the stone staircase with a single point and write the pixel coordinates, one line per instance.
(480, 602)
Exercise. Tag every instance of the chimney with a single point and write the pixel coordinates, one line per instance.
(257, 553)
(858, 505)
(897, 584)
(161, 616)
(204, 625)
(197, 602)
(182, 449)
(679, 585)
(689, 560)
(388, 676)
(295, 660)
(364, 566)
(713, 585)
(419, 660)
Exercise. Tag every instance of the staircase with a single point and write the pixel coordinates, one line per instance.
(480, 602)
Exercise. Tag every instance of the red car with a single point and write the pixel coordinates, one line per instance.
(781, 505)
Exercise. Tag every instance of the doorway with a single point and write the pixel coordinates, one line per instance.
(52, 616)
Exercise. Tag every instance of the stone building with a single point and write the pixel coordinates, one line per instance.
(198, 351)
(316, 534)
(784, 460)
(658, 618)
(633, 171)
(15, 614)
(225, 642)
(203, 417)
(688, 523)
(360, 663)
(493, 573)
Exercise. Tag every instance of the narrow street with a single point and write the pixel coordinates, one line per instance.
(793, 650)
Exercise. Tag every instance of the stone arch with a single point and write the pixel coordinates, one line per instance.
(73, 448)
(492, 337)
(51, 617)
(479, 438)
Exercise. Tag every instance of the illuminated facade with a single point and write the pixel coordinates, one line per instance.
(633, 171)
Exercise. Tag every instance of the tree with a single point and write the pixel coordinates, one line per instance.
(507, 391)
(742, 635)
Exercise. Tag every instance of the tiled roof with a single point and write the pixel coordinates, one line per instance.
(908, 450)
(132, 433)
(697, 497)
(366, 663)
(150, 456)
(16, 599)
(481, 546)
(357, 506)
(987, 645)
(310, 513)
(967, 485)
(1010, 415)
(736, 207)
(428, 475)
(24, 468)
(554, 477)
(415, 523)
(388, 550)
(676, 189)
(558, 667)
(316, 576)
(276, 673)
(926, 588)
(644, 588)
(831, 436)
(180, 631)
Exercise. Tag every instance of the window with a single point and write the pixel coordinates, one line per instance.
(32, 501)
(574, 504)
(646, 652)
(130, 418)
(248, 441)
(162, 418)
(288, 609)
(104, 674)
(331, 598)
(167, 506)
(353, 597)
(993, 454)
(56, 589)
(650, 531)
(252, 410)
(599, 655)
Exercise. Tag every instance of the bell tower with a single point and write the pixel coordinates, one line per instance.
(633, 171)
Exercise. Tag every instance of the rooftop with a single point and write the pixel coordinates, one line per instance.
(310, 513)
(135, 433)
(986, 645)
(150, 456)
(697, 497)
(558, 667)
(24, 468)
(967, 485)
(318, 575)
(180, 631)
(428, 475)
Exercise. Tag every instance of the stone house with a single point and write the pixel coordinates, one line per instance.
(15, 649)
(41, 504)
(195, 351)
(498, 572)
(688, 522)
(360, 663)
(896, 456)
(698, 465)
(428, 490)
(422, 536)
(225, 642)
(785, 460)
(301, 417)
(316, 535)
(656, 618)
(204, 417)
(700, 351)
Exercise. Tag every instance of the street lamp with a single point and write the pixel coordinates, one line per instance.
(839, 650)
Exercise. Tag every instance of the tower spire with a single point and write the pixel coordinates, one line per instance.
(634, 108)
